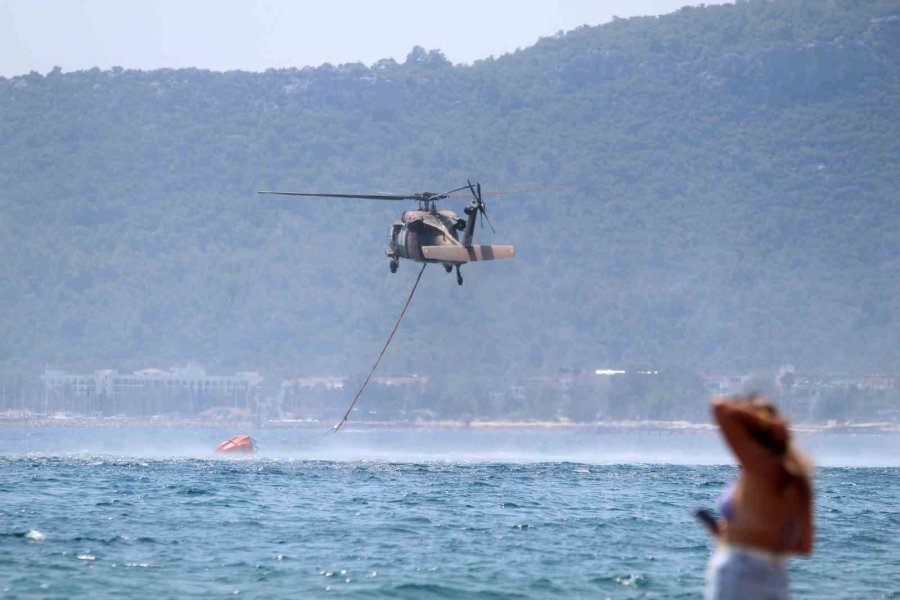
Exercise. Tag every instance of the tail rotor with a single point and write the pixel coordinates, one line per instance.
(479, 204)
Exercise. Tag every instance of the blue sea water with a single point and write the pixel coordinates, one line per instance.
(94, 513)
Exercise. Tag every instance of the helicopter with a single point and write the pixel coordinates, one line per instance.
(429, 235)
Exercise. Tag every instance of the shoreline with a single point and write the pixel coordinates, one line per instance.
(669, 427)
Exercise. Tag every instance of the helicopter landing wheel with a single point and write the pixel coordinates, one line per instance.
(448, 268)
(394, 265)
(458, 276)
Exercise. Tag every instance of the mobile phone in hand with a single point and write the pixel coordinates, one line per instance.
(707, 519)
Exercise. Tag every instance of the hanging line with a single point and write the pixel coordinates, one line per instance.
(383, 350)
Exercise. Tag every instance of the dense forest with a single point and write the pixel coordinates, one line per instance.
(723, 196)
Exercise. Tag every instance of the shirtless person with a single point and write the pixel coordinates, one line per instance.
(766, 512)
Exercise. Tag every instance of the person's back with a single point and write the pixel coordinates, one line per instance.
(770, 515)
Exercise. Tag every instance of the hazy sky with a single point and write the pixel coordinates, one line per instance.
(259, 34)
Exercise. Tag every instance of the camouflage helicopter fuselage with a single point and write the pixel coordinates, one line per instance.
(417, 228)
(432, 236)
(429, 235)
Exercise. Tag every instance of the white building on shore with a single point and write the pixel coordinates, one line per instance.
(184, 391)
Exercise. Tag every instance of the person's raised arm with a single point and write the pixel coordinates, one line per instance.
(735, 419)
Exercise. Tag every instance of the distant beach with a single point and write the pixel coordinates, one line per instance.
(647, 426)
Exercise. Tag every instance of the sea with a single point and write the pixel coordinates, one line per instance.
(417, 513)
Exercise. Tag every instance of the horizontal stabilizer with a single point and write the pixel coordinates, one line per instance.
(464, 254)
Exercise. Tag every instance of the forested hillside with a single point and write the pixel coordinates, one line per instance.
(728, 200)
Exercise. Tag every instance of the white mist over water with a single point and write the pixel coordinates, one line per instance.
(438, 445)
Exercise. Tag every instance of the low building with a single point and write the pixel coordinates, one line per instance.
(324, 397)
(311, 398)
(181, 391)
(717, 383)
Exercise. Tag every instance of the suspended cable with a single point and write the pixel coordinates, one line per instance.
(383, 350)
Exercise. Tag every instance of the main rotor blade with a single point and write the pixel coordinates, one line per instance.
(355, 196)
(465, 187)
(544, 188)
(527, 190)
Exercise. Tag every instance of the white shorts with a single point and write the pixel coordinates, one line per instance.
(737, 572)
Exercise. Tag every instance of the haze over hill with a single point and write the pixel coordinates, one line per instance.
(732, 204)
